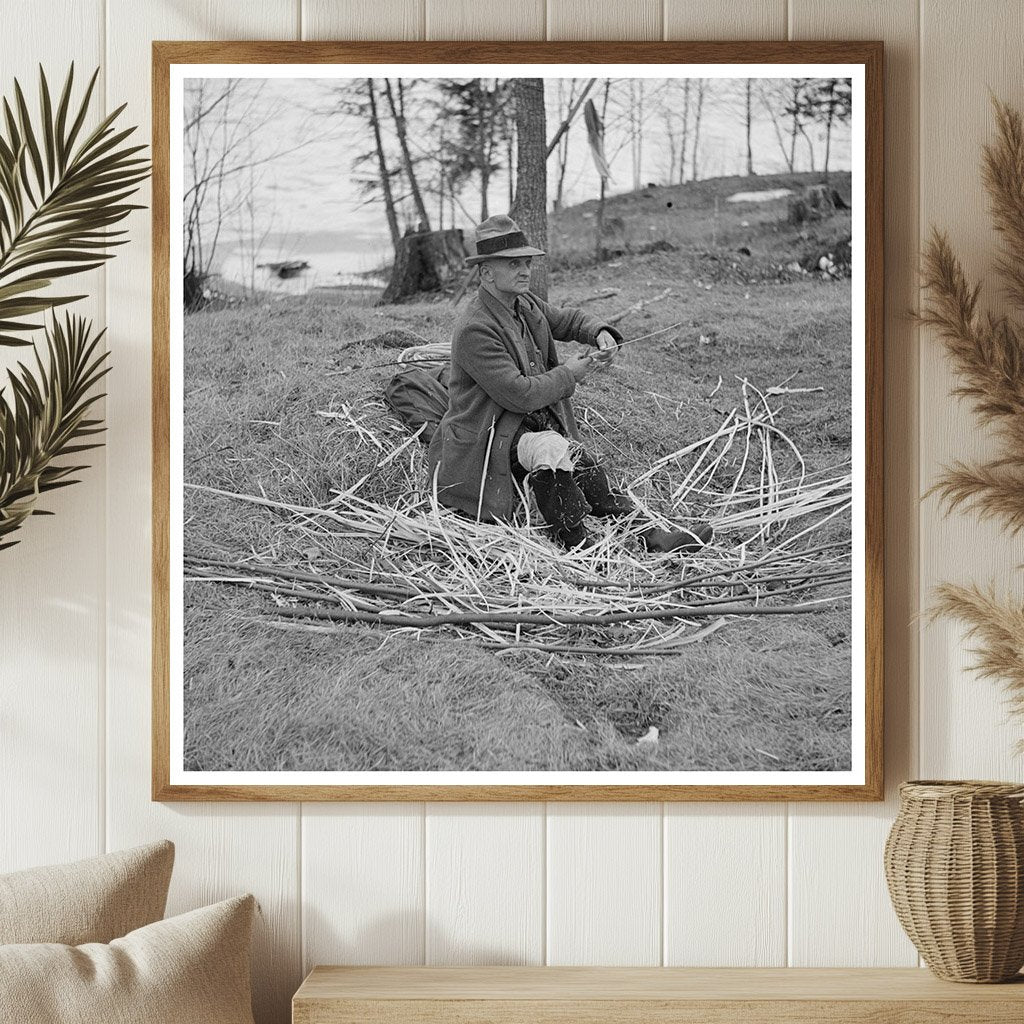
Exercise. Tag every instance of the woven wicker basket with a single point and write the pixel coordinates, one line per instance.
(954, 861)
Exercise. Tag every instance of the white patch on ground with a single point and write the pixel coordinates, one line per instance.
(764, 196)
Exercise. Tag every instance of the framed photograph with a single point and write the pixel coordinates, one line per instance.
(517, 420)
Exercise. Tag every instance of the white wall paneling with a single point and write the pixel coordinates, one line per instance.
(725, 19)
(485, 883)
(363, 892)
(964, 727)
(618, 884)
(604, 19)
(604, 872)
(383, 19)
(52, 583)
(485, 19)
(725, 885)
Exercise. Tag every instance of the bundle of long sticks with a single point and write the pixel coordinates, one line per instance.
(430, 571)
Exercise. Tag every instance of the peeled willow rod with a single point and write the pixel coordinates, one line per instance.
(414, 362)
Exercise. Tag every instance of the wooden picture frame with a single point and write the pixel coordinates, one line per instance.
(864, 781)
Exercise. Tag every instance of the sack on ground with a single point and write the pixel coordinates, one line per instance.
(418, 396)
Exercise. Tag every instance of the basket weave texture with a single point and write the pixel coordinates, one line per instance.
(954, 862)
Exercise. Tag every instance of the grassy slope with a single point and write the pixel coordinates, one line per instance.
(768, 693)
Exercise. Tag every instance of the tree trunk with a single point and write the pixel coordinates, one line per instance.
(417, 198)
(385, 178)
(696, 128)
(828, 126)
(750, 152)
(426, 261)
(795, 130)
(511, 174)
(530, 209)
(686, 131)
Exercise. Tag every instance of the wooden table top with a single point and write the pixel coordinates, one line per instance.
(644, 983)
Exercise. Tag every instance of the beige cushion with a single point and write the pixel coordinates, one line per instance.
(92, 900)
(190, 969)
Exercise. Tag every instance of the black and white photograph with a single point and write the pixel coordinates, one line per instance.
(518, 424)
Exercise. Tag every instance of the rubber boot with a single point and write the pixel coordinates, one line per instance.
(691, 538)
(563, 506)
(593, 482)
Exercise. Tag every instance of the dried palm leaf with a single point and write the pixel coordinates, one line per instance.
(61, 193)
(47, 420)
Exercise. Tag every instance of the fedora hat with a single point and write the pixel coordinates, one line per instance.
(499, 236)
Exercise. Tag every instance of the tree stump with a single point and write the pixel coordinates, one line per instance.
(426, 261)
(816, 202)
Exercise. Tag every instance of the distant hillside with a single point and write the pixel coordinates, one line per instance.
(697, 220)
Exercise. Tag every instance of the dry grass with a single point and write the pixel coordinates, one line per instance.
(760, 693)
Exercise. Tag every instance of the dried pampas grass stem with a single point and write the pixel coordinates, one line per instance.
(986, 350)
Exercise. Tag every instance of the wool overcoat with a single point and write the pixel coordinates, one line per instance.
(492, 387)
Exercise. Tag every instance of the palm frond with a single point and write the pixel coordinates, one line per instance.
(45, 419)
(61, 193)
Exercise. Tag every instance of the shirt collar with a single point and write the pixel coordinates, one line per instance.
(496, 306)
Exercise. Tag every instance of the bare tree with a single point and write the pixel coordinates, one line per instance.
(566, 105)
(700, 86)
(748, 122)
(254, 226)
(398, 116)
(685, 134)
(636, 134)
(382, 166)
(827, 101)
(224, 138)
(782, 100)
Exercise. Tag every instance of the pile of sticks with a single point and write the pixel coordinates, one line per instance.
(507, 586)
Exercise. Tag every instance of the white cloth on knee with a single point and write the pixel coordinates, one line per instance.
(543, 449)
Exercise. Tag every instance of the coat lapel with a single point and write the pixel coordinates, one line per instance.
(509, 329)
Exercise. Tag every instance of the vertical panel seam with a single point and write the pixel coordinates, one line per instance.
(104, 605)
(919, 506)
(423, 880)
(661, 873)
(787, 846)
(544, 885)
(301, 887)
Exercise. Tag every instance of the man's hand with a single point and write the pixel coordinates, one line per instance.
(607, 347)
(580, 366)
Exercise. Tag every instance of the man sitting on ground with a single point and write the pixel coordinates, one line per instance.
(509, 416)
